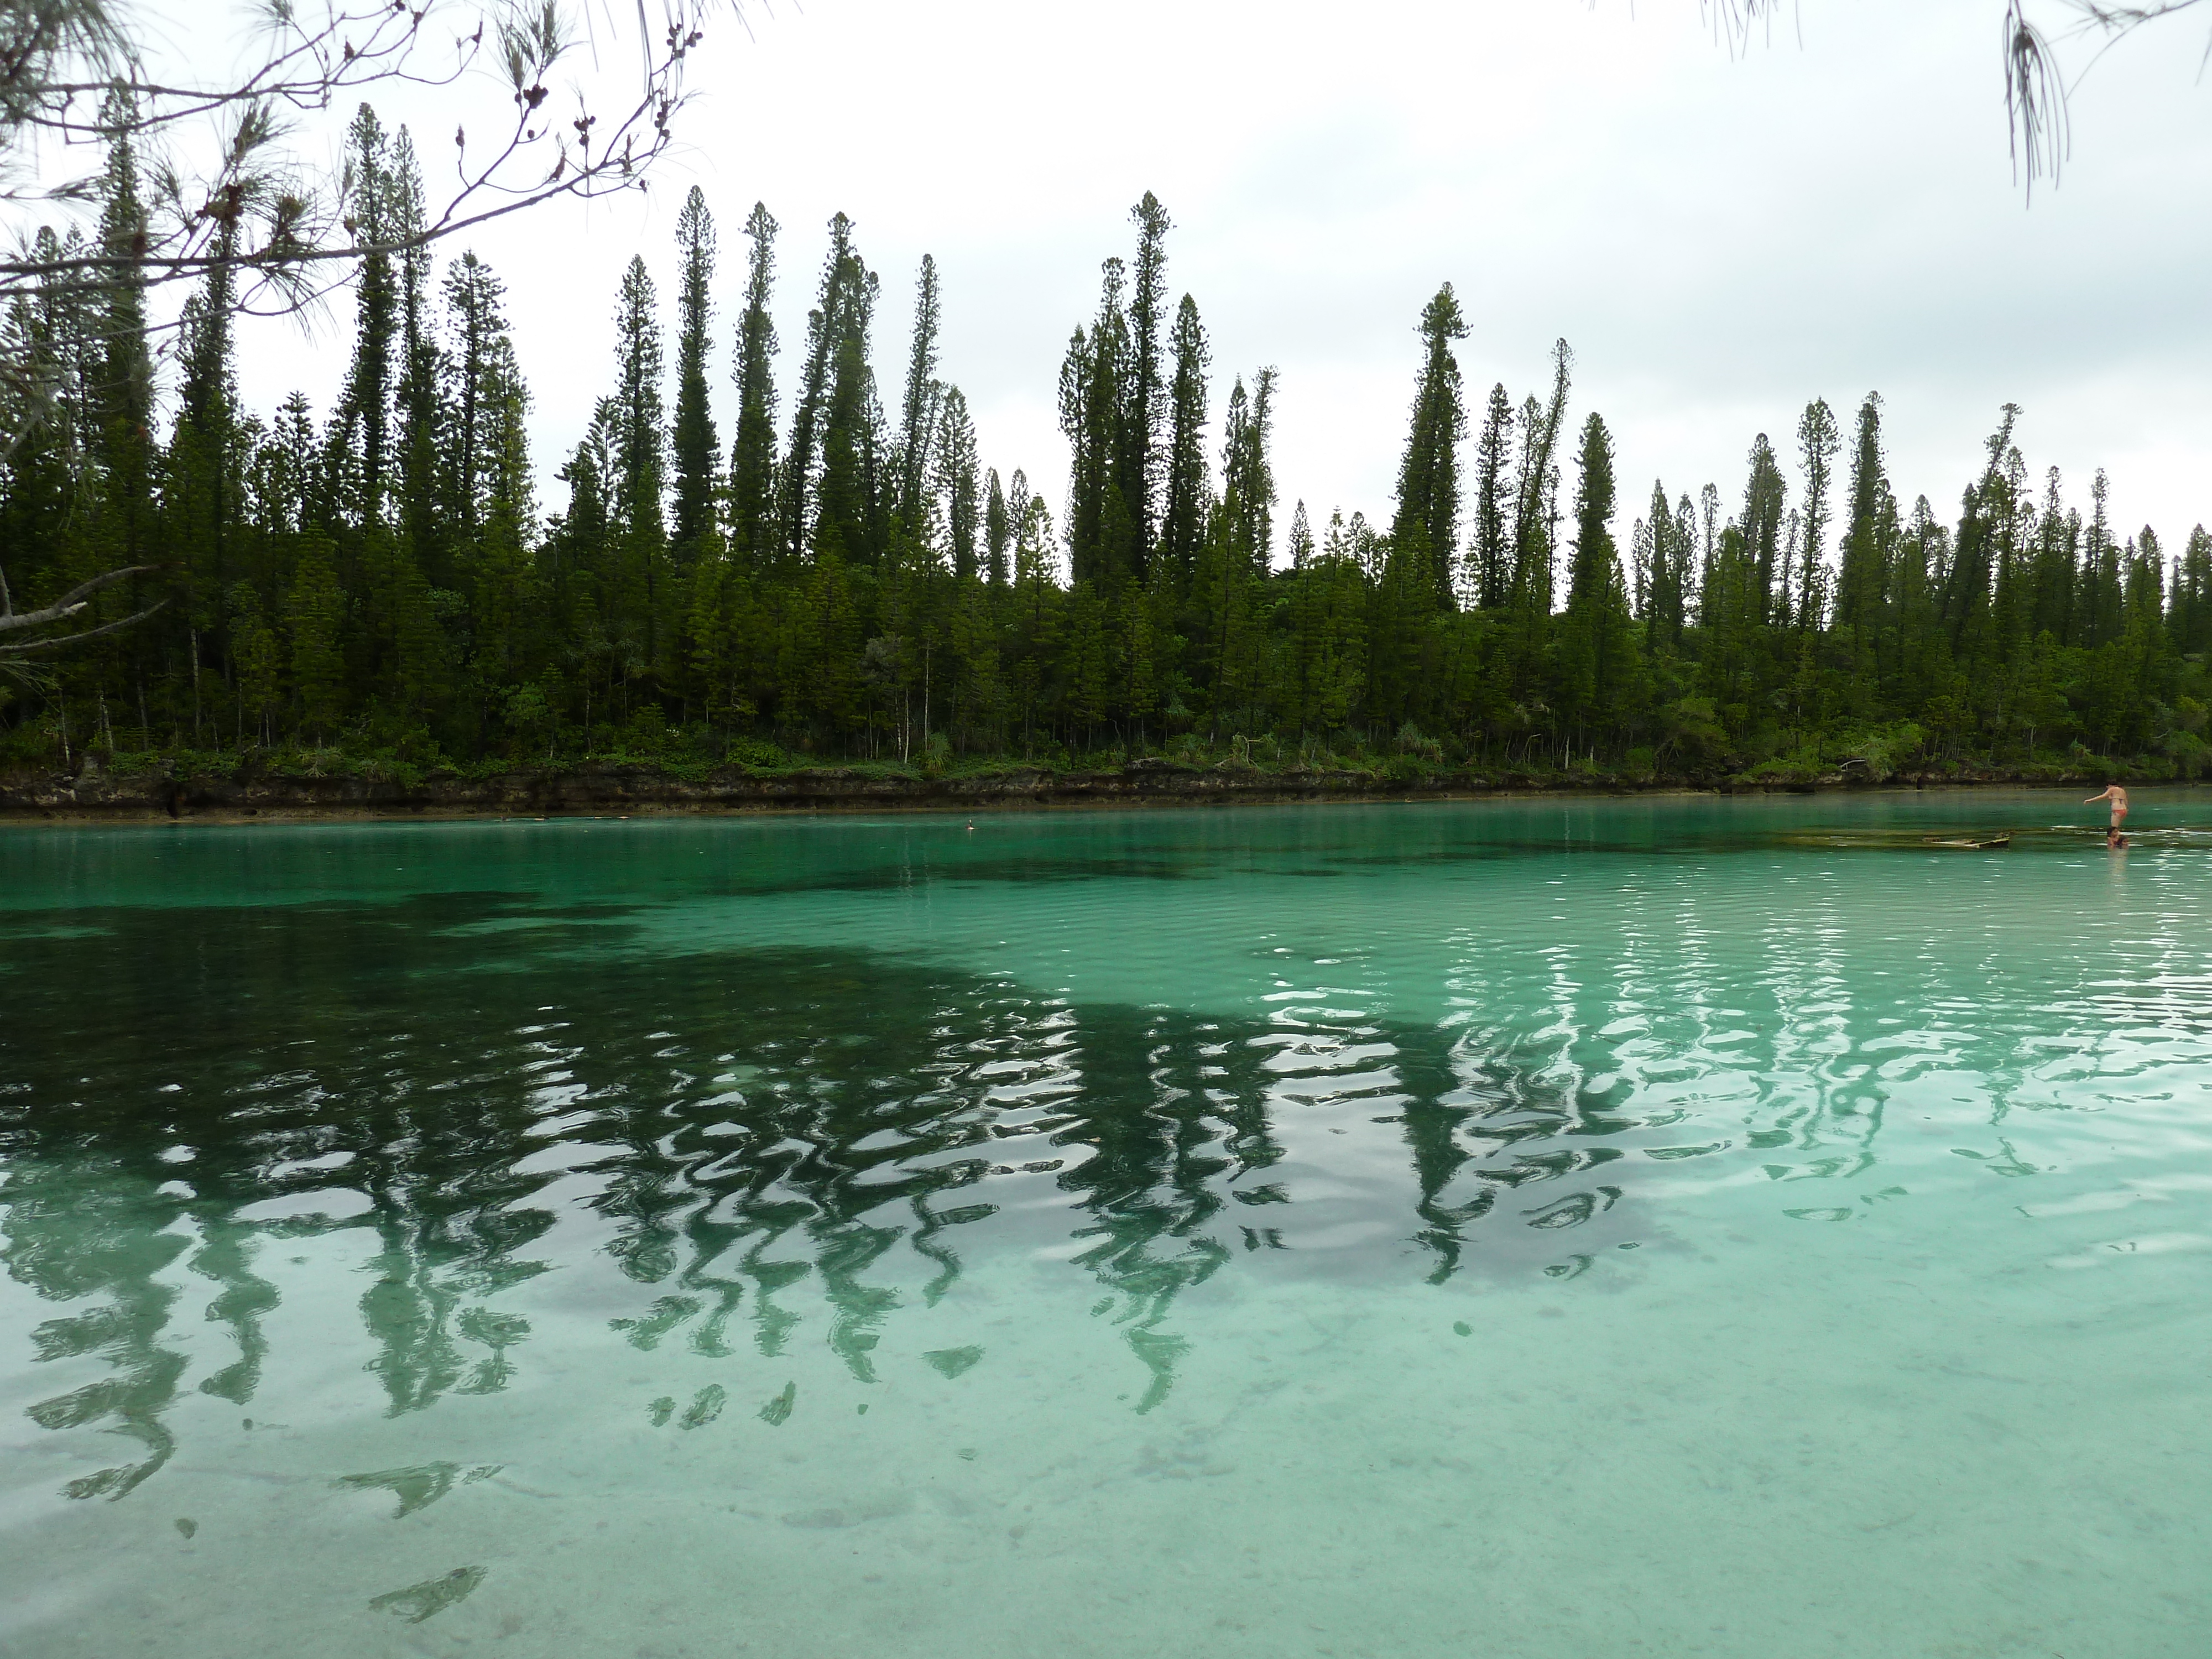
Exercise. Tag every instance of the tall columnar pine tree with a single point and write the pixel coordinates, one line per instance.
(1248, 477)
(360, 442)
(1817, 444)
(476, 323)
(1667, 546)
(1986, 508)
(1092, 406)
(1117, 404)
(2192, 595)
(645, 593)
(1426, 528)
(754, 525)
(955, 481)
(1139, 464)
(919, 409)
(825, 326)
(1597, 645)
(204, 488)
(2057, 537)
(1686, 570)
(122, 400)
(1766, 499)
(1189, 494)
(1862, 572)
(2101, 569)
(1491, 555)
(416, 398)
(852, 520)
(998, 531)
(1301, 549)
(1534, 534)
(694, 447)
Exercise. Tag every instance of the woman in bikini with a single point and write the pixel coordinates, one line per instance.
(2119, 797)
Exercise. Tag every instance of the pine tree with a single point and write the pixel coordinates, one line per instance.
(1861, 575)
(476, 323)
(1428, 477)
(1182, 519)
(854, 486)
(1817, 443)
(360, 432)
(1967, 592)
(1301, 537)
(123, 397)
(826, 326)
(1765, 499)
(2058, 533)
(1536, 484)
(502, 573)
(956, 483)
(203, 487)
(1492, 554)
(1139, 466)
(694, 445)
(1665, 556)
(2192, 595)
(1093, 403)
(639, 460)
(2100, 584)
(753, 530)
(998, 531)
(424, 541)
(919, 412)
(1247, 495)
(111, 520)
(1684, 594)
(1597, 645)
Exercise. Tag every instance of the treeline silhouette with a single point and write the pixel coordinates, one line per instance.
(732, 579)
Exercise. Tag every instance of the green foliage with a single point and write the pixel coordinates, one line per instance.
(381, 592)
(756, 754)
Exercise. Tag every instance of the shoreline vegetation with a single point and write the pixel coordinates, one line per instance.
(832, 599)
(322, 785)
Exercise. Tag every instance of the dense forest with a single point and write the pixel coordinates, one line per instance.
(801, 574)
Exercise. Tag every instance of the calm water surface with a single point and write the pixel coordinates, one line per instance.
(1717, 1227)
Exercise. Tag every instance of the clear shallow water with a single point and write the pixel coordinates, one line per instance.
(1520, 1228)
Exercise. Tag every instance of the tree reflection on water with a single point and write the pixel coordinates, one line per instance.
(751, 1130)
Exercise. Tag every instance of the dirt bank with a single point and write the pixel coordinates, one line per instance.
(94, 794)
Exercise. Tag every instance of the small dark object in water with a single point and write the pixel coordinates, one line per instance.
(1969, 843)
(432, 1595)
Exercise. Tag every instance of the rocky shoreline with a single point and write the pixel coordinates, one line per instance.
(94, 793)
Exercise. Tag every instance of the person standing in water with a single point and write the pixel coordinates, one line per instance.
(2119, 797)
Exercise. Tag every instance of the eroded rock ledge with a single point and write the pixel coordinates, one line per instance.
(95, 792)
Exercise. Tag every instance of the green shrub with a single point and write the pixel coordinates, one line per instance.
(756, 755)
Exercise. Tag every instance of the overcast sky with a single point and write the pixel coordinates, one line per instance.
(1719, 239)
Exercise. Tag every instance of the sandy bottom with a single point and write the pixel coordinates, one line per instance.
(1800, 1437)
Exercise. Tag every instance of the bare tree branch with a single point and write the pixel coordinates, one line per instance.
(2036, 125)
(24, 646)
(269, 216)
(2037, 88)
(70, 603)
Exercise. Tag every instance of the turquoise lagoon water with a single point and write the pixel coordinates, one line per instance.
(1684, 1226)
